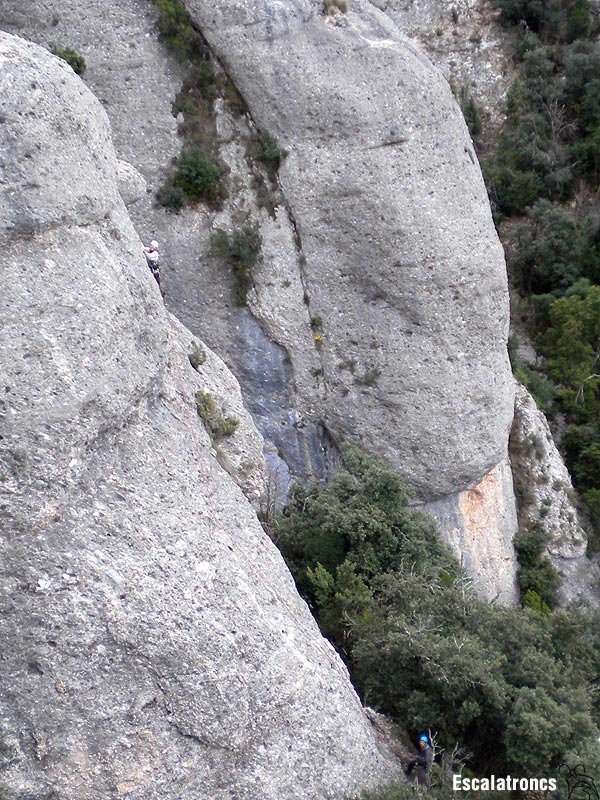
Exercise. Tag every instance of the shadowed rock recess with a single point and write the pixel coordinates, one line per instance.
(152, 644)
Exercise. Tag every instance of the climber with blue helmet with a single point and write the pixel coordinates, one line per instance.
(422, 761)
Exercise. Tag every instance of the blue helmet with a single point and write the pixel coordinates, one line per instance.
(424, 738)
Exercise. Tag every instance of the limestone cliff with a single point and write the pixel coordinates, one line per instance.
(382, 233)
(152, 644)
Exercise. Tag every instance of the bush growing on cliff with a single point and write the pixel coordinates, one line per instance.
(209, 411)
(73, 59)
(242, 250)
(551, 19)
(171, 197)
(536, 573)
(550, 249)
(177, 31)
(197, 356)
(546, 166)
(420, 645)
(263, 147)
(196, 177)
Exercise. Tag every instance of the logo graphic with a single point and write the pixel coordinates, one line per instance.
(580, 785)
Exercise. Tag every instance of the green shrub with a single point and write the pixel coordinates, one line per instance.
(579, 20)
(538, 15)
(570, 345)
(470, 110)
(73, 59)
(536, 573)
(532, 600)
(511, 190)
(242, 250)
(550, 250)
(198, 177)
(202, 77)
(177, 31)
(217, 425)
(542, 389)
(264, 148)
(587, 468)
(591, 500)
(197, 356)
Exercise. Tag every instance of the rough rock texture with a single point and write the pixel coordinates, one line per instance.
(465, 41)
(382, 231)
(132, 185)
(477, 525)
(152, 644)
(137, 81)
(391, 210)
(397, 257)
(546, 501)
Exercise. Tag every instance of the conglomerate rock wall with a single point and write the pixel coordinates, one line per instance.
(401, 260)
(152, 643)
(382, 234)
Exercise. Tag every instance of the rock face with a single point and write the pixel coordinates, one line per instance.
(382, 234)
(546, 501)
(152, 643)
(465, 41)
(393, 219)
(477, 525)
(396, 255)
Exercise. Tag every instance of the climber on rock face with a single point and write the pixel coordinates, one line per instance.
(423, 761)
(152, 258)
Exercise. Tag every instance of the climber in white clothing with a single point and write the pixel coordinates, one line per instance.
(153, 257)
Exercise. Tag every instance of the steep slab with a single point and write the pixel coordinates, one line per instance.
(152, 644)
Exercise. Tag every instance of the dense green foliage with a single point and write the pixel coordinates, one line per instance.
(551, 137)
(73, 59)
(545, 170)
(196, 177)
(177, 31)
(510, 685)
(537, 578)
